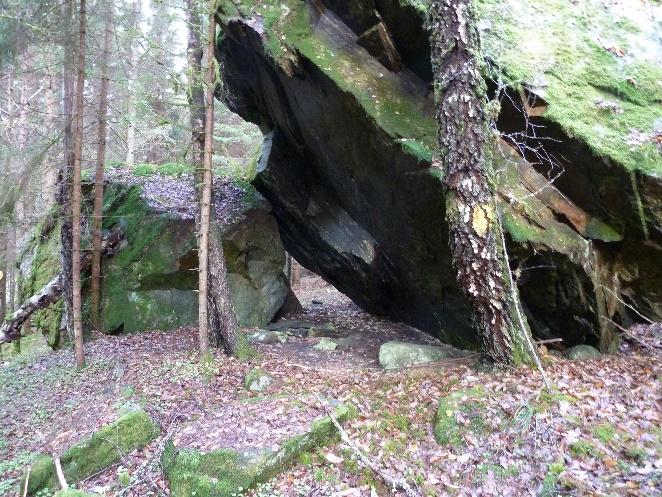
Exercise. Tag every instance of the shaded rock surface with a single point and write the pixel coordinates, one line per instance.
(350, 136)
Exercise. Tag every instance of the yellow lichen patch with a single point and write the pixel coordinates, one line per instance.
(483, 215)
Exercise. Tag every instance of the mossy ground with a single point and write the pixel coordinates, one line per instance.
(458, 413)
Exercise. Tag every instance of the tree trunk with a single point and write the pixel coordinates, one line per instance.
(196, 95)
(131, 101)
(3, 274)
(95, 281)
(476, 235)
(224, 327)
(64, 176)
(76, 194)
(49, 180)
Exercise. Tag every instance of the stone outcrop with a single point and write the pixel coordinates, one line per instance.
(341, 90)
(104, 448)
(150, 282)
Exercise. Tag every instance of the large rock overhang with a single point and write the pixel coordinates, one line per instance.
(346, 165)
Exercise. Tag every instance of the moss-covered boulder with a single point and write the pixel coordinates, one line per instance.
(350, 135)
(394, 354)
(229, 473)
(257, 380)
(582, 352)
(150, 282)
(105, 447)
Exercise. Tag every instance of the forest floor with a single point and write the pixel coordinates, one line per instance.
(598, 432)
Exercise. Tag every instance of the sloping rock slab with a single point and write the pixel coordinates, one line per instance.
(228, 473)
(104, 448)
(346, 164)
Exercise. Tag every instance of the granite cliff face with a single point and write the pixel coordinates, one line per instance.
(341, 89)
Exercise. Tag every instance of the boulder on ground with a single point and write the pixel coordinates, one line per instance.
(105, 447)
(365, 209)
(582, 352)
(150, 282)
(396, 354)
(257, 380)
(267, 337)
(326, 344)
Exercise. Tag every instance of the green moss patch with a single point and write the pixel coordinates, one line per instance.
(458, 413)
(104, 448)
(228, 473)
(585, 61)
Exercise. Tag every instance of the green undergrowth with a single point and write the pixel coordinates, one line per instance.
(459, 413)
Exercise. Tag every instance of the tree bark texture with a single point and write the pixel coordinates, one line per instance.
(196, 93)
(476, 235)
(52, 292)
(97, 219)
(63, 196)
(219, 303)
(131, 100)
(76, 194)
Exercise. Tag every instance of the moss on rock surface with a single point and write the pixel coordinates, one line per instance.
(228, 473)
(325, 184)
(105, 447)
(74, 493)
(150, 282)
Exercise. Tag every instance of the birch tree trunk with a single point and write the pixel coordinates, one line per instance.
(476, 234)
(95, 280)
(76, 194)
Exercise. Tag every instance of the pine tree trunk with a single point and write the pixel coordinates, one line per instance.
(476, 235)
(3, 274)
(51, 104)
(76, 194)
(131, 100)
(64, 176)
(196, 93)
(95, 281)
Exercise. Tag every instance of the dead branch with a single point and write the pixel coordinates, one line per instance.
(60, 475)
(391, 481)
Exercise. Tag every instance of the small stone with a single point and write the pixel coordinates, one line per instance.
(267, 337)
(582, 352)
(326, 344)
(257, 380)
(317, 302)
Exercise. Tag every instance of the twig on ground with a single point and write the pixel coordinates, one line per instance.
(27, 481)
(391, 481)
